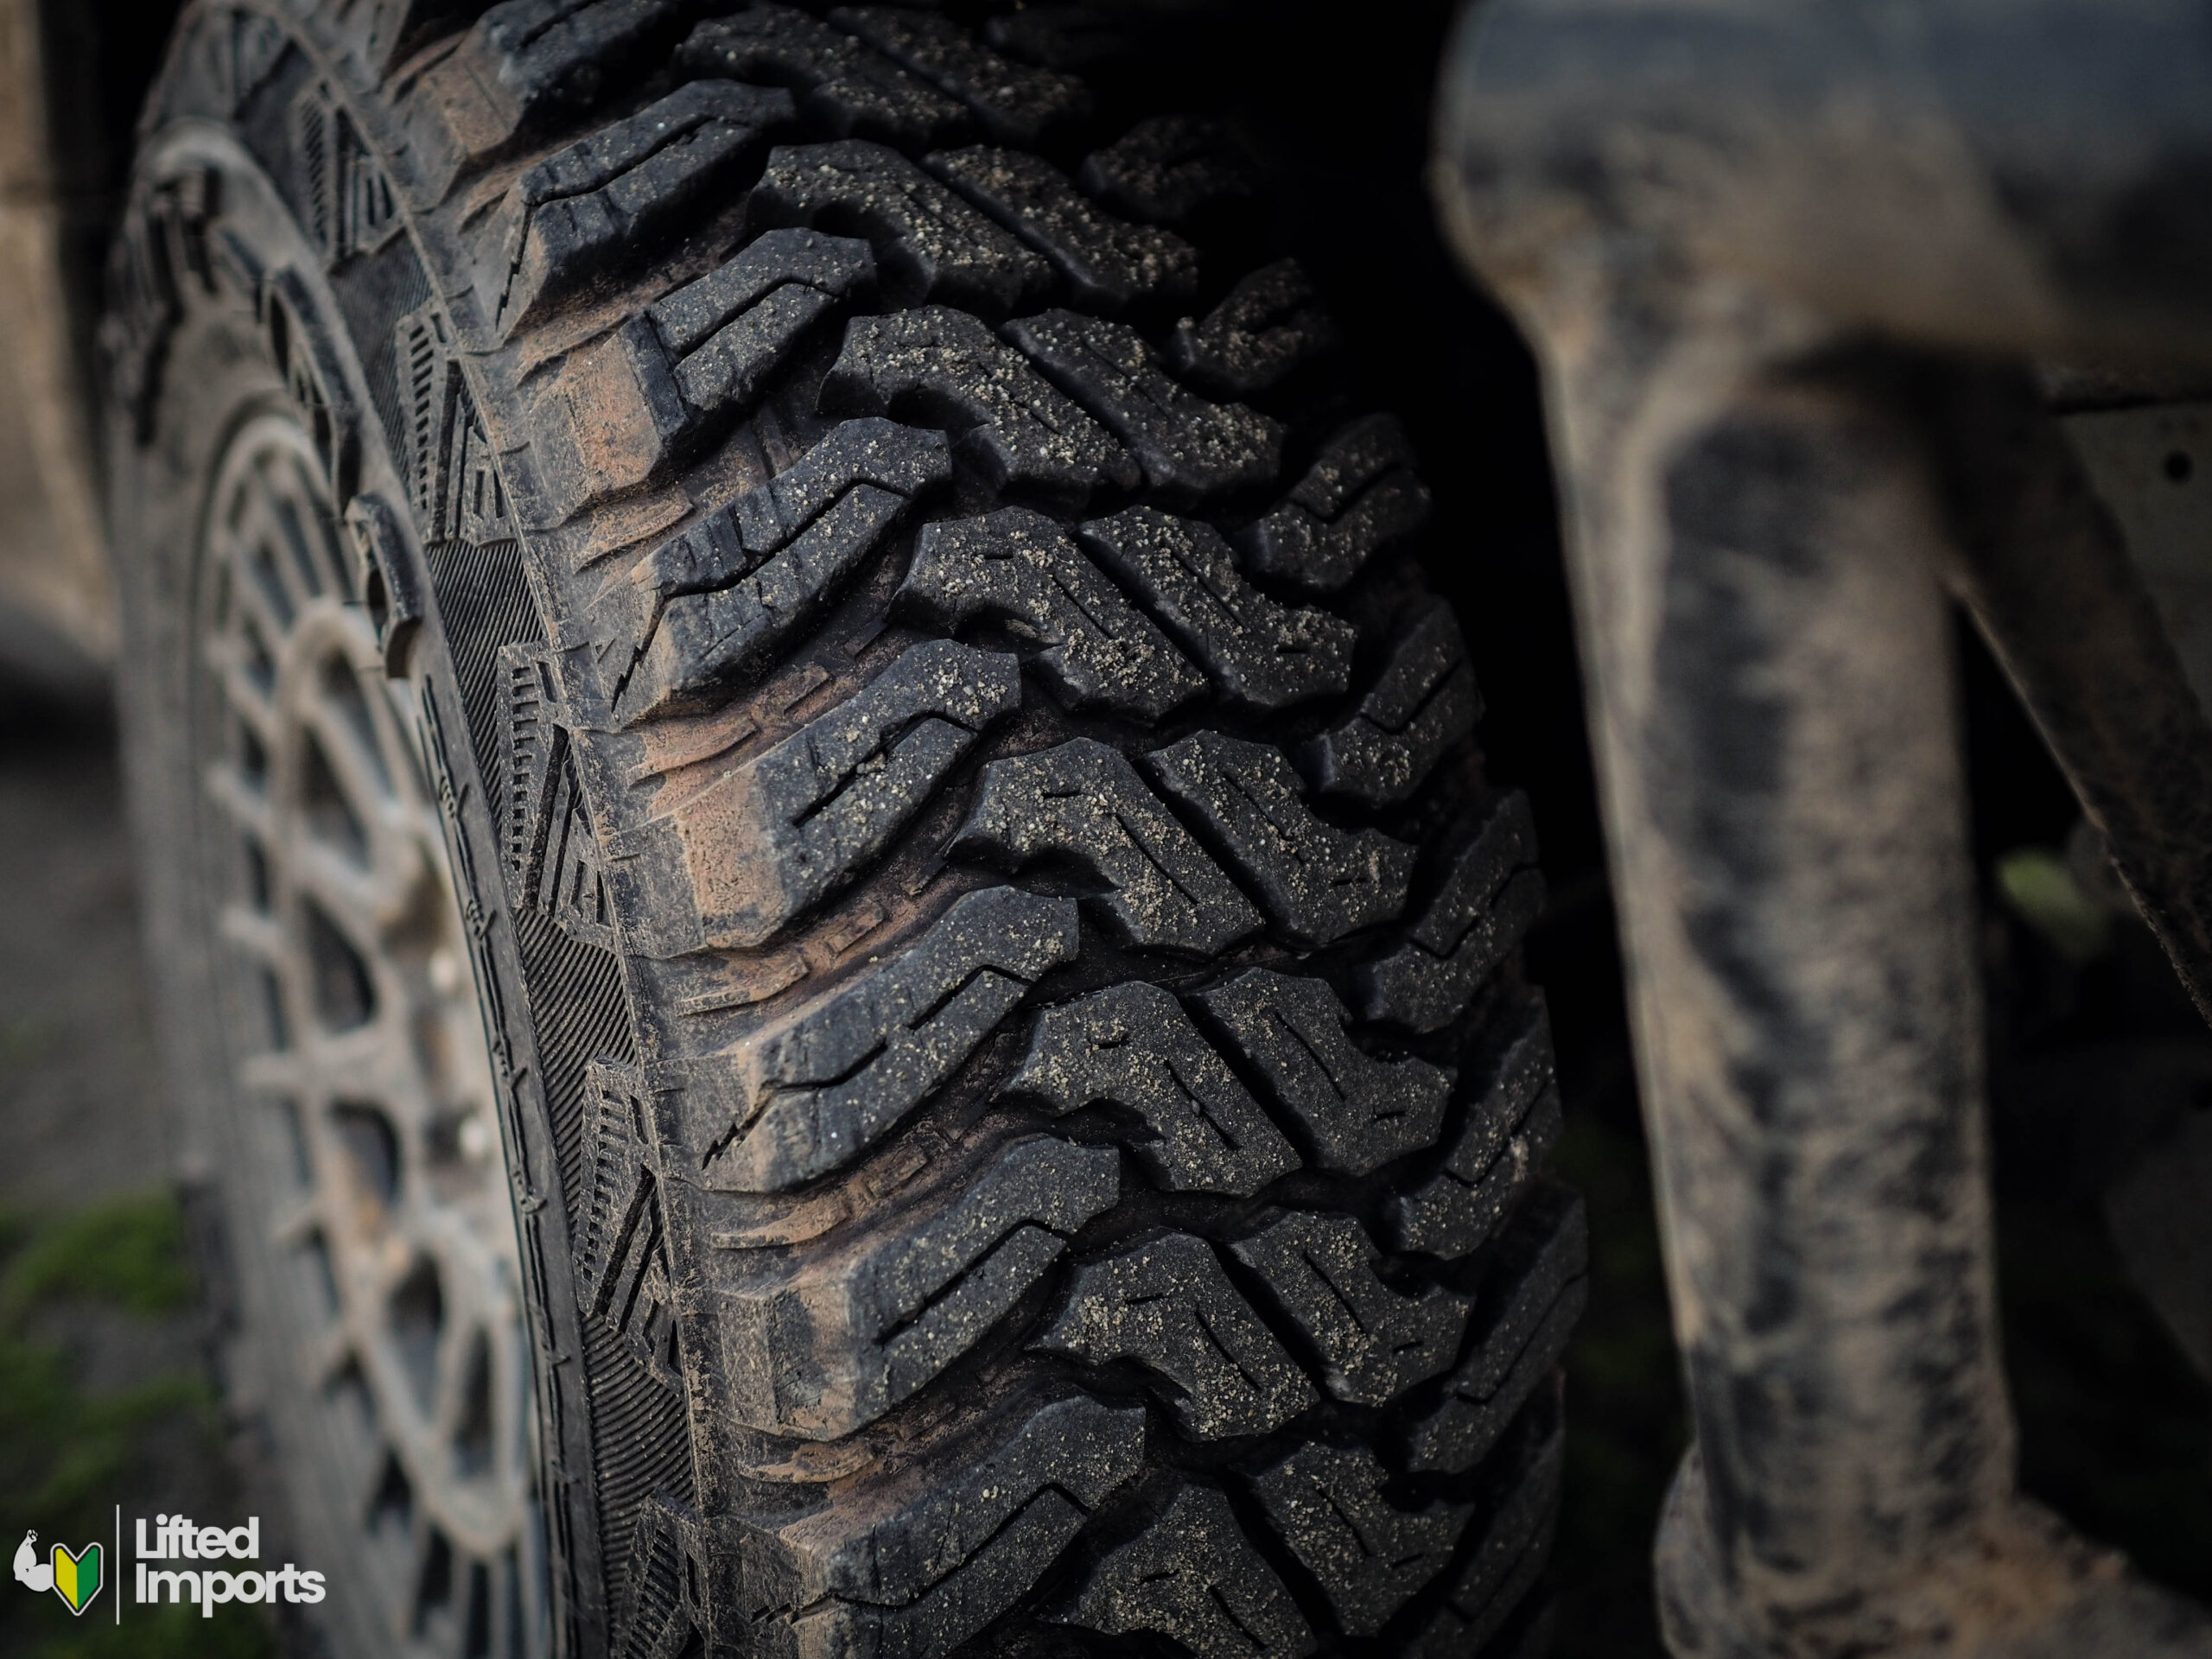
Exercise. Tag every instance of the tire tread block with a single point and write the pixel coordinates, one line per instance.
(1015, 103)
(1192, 450)
(1132, 1046)
(852, 1329)
(1423, 701)
(916, 1563)
(1263, 656)
(1166, 1304)
(846, 84)
(1507, 1559)
(1509, 1129)
(522, 61)
(1534, 1294)
(774, 836)
(712, 602)
(823, 1084)
(1319, 883)
(1268, 327)
(1065, 34)
(931, 246)
(1489, 897)
(1369, 1556)
(618, 409)
(1176, 170)
(1109, 264)
(1357, 1112)
(725, 331)
(620, 194)
(946, 367)
(1193, 1576)
(1083, 802)
(1360, 495)
(1373, 1342)
(1098, 651)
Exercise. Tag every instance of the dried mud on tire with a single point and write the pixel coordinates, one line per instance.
(999, 960)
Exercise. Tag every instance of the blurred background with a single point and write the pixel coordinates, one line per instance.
(2101, 1072)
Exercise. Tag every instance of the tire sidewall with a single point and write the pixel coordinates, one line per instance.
(217, 371)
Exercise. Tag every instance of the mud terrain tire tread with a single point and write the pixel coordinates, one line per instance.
(1072, 1174)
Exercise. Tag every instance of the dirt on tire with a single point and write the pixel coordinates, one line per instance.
(999, 959)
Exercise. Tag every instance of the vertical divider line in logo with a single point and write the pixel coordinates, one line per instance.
(118, 1560)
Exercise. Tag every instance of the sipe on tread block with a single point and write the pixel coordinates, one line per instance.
(1083, 803)
(1359, 496)
(1509, 1127)
(1489, 897)
(524, 64)
(848, 86)
(1017, 566)
(945, 367)
(1263, 656)
(1509, 1551)
(828, 1340)
(1015, 103)
(945, 1545)
(1355, 1112)
(1370, 1556)
(621, 192)
(931, 245)
(619, 409)
(1319, 883)
(1373, 1342)
(710, 605)
(1192, 1575)
(1166, 1304)
(1190, 450)
(1422, 703)
(1270, 326)
(1133, 1046)
(817, 1089)
(1536, 1291)
(1111, 265)
(773, 837)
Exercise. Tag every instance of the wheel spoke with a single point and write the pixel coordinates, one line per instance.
(258, 935)
(268, 586)
(290, 1228)
(357, 767)
(362, 902)
(323, 1359)
(246, 807)
(247, 696)
(343, 922)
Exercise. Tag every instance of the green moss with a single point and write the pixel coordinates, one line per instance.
(128, 1253)
(171, 1633)
(68, 1455)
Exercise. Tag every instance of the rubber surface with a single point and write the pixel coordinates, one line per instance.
(986, 822)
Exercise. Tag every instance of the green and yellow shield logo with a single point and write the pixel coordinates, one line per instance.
(77, 1578)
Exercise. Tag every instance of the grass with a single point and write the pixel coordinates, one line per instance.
(67, 1456)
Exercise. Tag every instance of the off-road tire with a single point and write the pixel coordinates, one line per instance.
(1001, 963)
